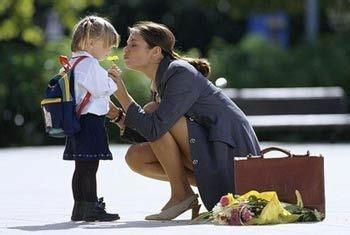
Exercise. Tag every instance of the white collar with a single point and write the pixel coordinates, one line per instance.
(81, 53)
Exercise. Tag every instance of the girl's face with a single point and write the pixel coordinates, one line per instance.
(137, 54)
(97, 49)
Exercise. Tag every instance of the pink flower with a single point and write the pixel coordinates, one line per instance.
(246, 215)
(235, 220)
(224, 201)
(240, 215)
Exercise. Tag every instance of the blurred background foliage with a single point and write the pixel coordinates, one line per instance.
(34, 32)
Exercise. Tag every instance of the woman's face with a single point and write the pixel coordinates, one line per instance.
(137, 54)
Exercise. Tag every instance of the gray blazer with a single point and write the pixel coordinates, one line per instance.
(218, 129)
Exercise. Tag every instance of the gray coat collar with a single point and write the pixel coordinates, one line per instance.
(163, 66)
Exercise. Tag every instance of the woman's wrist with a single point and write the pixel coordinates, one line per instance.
(124, 98)
(122, 125)
(117, 118)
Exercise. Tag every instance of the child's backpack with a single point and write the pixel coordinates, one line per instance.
(61, 116)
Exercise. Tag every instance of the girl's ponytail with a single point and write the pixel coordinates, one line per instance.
(86, 32)
(92, 27)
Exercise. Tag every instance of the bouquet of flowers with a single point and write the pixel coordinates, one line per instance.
(254, 208)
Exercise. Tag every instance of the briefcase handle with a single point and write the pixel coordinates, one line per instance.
(287, 152)
(270, 149)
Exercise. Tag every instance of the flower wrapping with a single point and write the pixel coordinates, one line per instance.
(254, 208)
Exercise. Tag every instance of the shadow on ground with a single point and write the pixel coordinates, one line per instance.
(102, 225)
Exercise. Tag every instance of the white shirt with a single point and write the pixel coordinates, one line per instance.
(90, 76)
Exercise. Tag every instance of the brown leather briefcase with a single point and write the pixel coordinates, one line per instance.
(284, 175)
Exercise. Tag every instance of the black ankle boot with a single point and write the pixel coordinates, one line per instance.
(78, 211)
(95, 211)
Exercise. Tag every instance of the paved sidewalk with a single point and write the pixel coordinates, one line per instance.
(35, 196)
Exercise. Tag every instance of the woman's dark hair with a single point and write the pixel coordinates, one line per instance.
(159, 35)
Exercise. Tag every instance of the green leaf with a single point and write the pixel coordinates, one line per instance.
(5, 4)
(25, 8)
(8, 29)
(33, 35)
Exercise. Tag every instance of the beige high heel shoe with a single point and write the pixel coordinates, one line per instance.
(176, 210)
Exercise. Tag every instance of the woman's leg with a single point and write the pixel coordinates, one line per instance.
(180, 133)
(170, 157)
(166, 159)
(141, 159)
(148, 165)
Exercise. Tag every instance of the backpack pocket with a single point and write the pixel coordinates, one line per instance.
(59, 117)
(53, 116)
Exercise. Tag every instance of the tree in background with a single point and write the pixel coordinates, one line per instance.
(194, 22)
(211, 28)
(24, 20)
(27, 62)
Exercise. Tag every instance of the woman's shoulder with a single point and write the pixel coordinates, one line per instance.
(178, 63)
(182, 66)
(180, 71)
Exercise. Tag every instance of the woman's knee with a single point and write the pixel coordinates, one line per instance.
(150, 107)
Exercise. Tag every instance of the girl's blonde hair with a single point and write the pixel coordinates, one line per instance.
(94, 27)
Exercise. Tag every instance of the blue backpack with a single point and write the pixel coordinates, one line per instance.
(61, 116)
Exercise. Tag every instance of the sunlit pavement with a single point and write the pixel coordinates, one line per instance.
(35, 196)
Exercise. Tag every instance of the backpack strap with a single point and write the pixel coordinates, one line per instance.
(80, 58)
(86, 98)
(68, 67)
(65, 62)
(83, 104)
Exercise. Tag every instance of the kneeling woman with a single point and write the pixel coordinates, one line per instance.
(190, 135)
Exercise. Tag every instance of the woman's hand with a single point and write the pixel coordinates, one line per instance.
(116, 74)
(122, 93)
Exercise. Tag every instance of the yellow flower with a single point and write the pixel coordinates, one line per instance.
(231, 199)
(112, 59)
(273, 212)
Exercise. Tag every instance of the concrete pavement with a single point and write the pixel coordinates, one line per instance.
(35, 196)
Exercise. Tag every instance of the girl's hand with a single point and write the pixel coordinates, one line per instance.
(115, 112)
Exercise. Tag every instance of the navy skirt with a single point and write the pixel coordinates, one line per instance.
(91, 143)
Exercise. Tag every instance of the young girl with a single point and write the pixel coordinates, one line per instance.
(93, 37)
